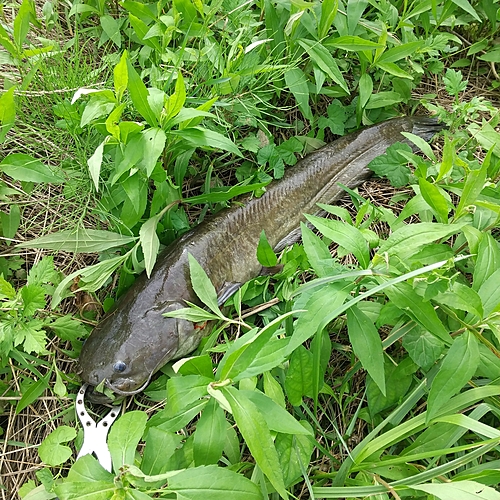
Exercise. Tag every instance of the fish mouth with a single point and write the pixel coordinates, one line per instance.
(120, 392)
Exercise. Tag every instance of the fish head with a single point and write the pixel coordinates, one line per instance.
(125, 350)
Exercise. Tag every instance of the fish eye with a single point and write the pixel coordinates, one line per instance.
(119, 366)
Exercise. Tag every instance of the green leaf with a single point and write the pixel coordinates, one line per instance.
(10, 222)
(51, 451)
(153, 143)
(383, 99)
(33, 392)
(435, 199)
(202, 285)
(347, 236)
(32, 336)
(88, 469)
(463, 298)
(392, 165)
(160, 446)
(400, 52)
(182, 391)
(265, 253)
(458, 366)
(474, 184)
(298, 381)
(404, 296)
(257, 436)
(206, 482)
(111, 27)
(465, 5)
(353, 43)
(68, 328)
(202, 137)
(120, 76)
(459, 490)
(325, 61)
(328, 12)
(33, 297)
(487, 261)
(80, 241)
(22, 23)
(317, 252)
(210, 435)
(124, 437)
(6, 289)
(98, 490)
(150, 242)
(296, 81)
(423, 347)
(175, 102)
(367, 345)
(277, 418)
(139, 95)
(412, 237)
(98, 105)
(94, 163)
(7, 112)
(23, 167)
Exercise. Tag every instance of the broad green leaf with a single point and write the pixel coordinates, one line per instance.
(412, 237)
(394, 69)
(202, 285)
(354, 11)
(87, 468)
(82, 240)
(207, 482)
(317, 252)
(150, 242)
(111, 27)
(435, 199)
(169, 421)
(7, 112)
(22, 167)
(487, 260)
(367, 345)
(210, 435)
(22, 22)
(160, 446)
(325, 61)
(134, 206)
(51, 451)
(298, 381)
(6, 289)
(383, 99)
(296, 81)
(10, 221)
(400, 52)
(202, 137)
(474, 184)
(175, 102)
(365, 89)
(7, 42)
(277, 418)
(182, 391)
(489, 293)
(463, 298)
(392, 164)
(294, 452)
(113, 121)
(98, 490)
(328, 12)
(94, 163)
(458, 366)
(195, 365)
(193, 313)
(139, 95)
(33, 392)
(33, 297)
(404, 296)
(459, 490)
(347, 236)
(353, 43)
(273, 389)
(98, 105)
(120, 77)
(465, 5)
(265, 253)
(257, 436)
(153, 141)
(124, 437)
(423, 347)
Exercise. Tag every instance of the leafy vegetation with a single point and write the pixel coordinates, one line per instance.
(369, 366)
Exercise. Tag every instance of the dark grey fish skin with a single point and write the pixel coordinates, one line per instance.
(135, 340)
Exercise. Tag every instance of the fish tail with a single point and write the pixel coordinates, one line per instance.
(426, 127)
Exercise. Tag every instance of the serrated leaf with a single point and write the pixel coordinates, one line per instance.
(124, 437)
(32, 336)
(82, 240)
(265, 253)
(257, 436)
(392, 165)
(6, 289)
(22, 167)
(68, 328)
(202, 285)
(367, 345)
(51, 451)
(458, 366)
(43, 272)
(33, 297)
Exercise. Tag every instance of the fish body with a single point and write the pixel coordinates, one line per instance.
(135, 339)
